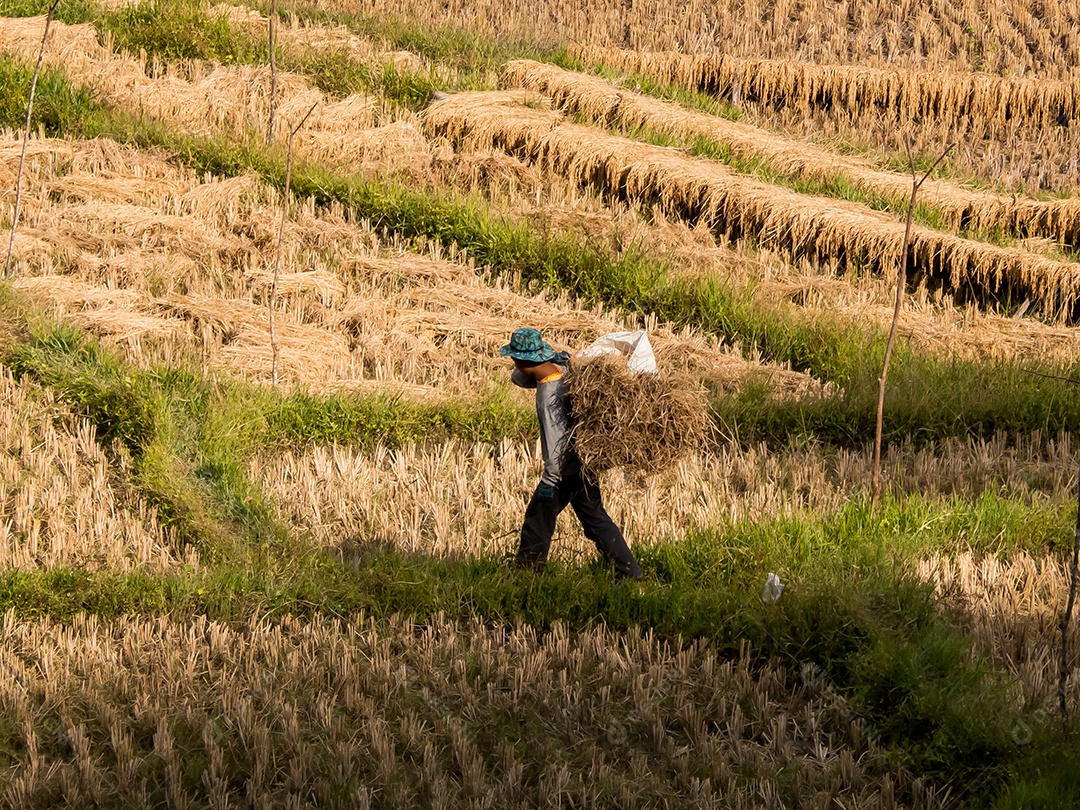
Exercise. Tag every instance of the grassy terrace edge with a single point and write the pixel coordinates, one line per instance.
(183, 29)
(188, 436)
(927, 396)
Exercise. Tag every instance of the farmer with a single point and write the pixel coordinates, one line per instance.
(539, 366)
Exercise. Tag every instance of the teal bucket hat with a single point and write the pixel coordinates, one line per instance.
(528, 344)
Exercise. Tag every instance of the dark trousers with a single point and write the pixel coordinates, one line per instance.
(584, 497)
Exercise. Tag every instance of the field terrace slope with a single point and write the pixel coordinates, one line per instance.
(960, 206)
(172, 265)
(336, 677)
(966, 332)
(455, 500)
(703, 190)
(433, 713)
(65, 502)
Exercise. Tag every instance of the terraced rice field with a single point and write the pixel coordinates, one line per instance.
(265, 468)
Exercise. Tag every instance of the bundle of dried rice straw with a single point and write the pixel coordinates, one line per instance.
(644, 422)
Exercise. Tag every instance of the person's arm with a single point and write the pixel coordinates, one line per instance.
(554, 414)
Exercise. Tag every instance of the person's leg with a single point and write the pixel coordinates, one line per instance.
(539, 526)
(601, 529)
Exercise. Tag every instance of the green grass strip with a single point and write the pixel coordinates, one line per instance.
(474, 60)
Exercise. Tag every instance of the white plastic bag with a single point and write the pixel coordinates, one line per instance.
(772, 590)
(634, 345)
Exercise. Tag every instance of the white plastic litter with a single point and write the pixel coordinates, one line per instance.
(634, 345)
(772, 590)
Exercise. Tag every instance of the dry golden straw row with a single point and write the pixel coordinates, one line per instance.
(961, 206)
(1005, 153)
(930, 324)
(357, 714)
(62, 503)
(467, 500)
(704, 190)
(981, 103)
(1040, 159)
(643, 422)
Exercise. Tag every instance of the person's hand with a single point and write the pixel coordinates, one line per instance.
(545, 492)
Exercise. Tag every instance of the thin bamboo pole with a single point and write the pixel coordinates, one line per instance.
(273, 74)
(901, 282)
(281, 236)
(26, 140)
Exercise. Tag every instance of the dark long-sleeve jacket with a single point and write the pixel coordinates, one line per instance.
(553, 413)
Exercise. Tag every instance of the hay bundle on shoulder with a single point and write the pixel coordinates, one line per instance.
(625, 416)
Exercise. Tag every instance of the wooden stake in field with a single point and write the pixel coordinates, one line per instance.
(26, 139)
(273, 74)
(281, 236)
(901, 281)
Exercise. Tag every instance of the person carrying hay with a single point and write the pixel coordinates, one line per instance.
(537, 365)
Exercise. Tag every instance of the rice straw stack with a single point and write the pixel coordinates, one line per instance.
(644, 422)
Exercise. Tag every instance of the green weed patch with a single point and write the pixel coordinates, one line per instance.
(59, 107)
